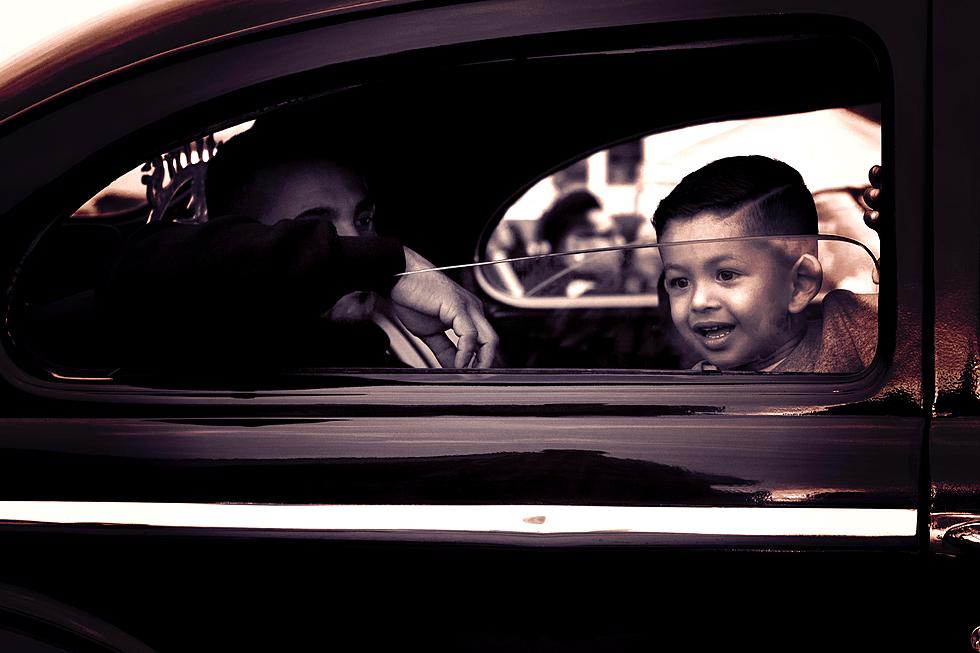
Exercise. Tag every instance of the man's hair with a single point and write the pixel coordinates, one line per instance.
(231, 173)
(566, 213)
(768, 195)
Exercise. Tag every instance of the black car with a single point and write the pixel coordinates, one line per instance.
(591, 491)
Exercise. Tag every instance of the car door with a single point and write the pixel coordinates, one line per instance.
(542, 508)
(954, 424)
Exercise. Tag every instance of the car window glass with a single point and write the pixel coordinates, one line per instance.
(609, 308)
(724, 304)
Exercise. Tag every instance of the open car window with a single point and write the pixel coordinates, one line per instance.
(599, 295)
(480, 199)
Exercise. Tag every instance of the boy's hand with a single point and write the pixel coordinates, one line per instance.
(872, 197)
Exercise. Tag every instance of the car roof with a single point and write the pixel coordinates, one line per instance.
(148, 31)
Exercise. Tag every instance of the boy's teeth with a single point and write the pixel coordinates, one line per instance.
(716, 332)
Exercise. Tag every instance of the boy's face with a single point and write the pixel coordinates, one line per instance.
(729, 300)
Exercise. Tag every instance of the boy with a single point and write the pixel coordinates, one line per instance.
(741, 305)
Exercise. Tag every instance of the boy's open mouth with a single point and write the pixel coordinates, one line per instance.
(713, 334)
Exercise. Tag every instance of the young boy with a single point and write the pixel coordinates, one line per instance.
(741, 305)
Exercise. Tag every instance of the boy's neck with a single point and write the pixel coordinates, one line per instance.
(798, 328)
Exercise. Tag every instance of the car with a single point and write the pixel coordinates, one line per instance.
(591, 499)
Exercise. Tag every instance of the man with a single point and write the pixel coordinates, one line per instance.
(291, 233)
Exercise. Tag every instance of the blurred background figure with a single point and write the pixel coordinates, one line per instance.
(506, 242)
(577, 222)
(643, 266)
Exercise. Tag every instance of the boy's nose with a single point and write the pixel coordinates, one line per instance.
(702, 299)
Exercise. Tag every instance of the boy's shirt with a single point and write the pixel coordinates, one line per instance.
(843, 340)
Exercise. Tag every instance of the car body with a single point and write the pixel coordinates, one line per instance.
(533, 508)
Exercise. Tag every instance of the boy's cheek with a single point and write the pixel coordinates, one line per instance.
(678, 314)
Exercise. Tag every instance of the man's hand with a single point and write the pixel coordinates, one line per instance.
(429, 303)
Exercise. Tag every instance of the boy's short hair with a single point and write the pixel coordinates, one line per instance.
(232, 171)
(770, 196)
(566, 213)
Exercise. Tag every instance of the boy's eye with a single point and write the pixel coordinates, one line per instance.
(678, 283)
(727, 275)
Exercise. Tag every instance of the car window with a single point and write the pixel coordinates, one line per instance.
(725, 304)
(582, 292)
(608, 308)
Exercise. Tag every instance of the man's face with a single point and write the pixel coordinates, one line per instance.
(728, 300)
(313, 188)
(319, 188)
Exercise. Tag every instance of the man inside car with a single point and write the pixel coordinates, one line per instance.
(290, 233)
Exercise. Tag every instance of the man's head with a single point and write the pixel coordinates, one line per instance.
(740, 304)
(272, 175)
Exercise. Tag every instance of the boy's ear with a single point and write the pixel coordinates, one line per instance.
(807, 278)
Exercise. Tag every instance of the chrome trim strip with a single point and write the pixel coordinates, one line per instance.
(530, 519)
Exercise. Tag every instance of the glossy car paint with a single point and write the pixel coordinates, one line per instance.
(953, 453)
(954, 429)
